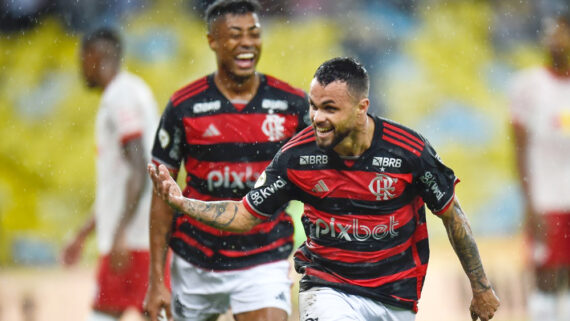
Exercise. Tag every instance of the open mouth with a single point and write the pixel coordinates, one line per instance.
(323, 131)
(245, 60)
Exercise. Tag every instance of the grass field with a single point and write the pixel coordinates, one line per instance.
(47, 294)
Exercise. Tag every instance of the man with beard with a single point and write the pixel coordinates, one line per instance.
(226, 127)
(364, 181)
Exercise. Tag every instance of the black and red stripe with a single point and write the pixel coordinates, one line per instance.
(403, 138)
(189, 90)
(276, 83)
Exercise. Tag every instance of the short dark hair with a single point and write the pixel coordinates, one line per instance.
(106, 34)
(347, 70)
(222, 7)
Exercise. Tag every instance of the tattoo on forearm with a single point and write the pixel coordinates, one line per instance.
(217, 214)
(464, 245)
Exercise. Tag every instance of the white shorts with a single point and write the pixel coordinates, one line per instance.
(198, 294)
(323, 303)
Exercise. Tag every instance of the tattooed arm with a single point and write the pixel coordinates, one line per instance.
(485, 302)
(224, 215)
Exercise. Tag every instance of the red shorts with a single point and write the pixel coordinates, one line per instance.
(117, 291)
(554, 252)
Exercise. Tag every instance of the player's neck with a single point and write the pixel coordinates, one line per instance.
(358, 141)
(107, 78)
(237, 89)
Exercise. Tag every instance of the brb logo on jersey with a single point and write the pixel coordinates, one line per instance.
(313, 160)
(383, 187)
(355, 231)
(227, 178)
(273, 127)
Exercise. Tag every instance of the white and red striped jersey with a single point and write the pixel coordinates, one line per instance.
(540, 102)
(127, 111)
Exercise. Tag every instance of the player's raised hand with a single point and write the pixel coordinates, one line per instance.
(484, 305)
(165, 186)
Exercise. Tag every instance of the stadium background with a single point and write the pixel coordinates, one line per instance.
(441, 67)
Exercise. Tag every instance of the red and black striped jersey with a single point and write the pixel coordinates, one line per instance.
(224, 147)
(364, 218)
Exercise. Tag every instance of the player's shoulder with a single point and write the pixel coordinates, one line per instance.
(125, 88)
(303, 140)
(401, 137)
(283, 86)
(190, 91)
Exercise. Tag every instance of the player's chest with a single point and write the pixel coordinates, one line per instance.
(378, 177)
(219, 122)
(551, 106)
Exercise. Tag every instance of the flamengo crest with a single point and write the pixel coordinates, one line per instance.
(273, 128)
(383, 187)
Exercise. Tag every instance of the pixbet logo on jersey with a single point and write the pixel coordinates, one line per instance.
(355, 231)
(227, 178)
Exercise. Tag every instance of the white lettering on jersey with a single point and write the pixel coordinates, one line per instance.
(273, 127)
(429, 181)
(355, 231)
(313, 160)
(383, 187)
(387, 162)
(262, 194)
(230, 179)
(274, 104)
(163, 138)
(207, 106)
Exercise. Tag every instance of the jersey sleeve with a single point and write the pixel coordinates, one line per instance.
(126, 117)
(169, 140)
(435, 181)
(272, 190)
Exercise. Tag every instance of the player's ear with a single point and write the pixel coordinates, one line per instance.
(212, 41)
(363, 105)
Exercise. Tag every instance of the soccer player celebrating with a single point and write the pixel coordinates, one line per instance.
(124, 130)
(225, 127)
(364, 181)
(540, 113)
